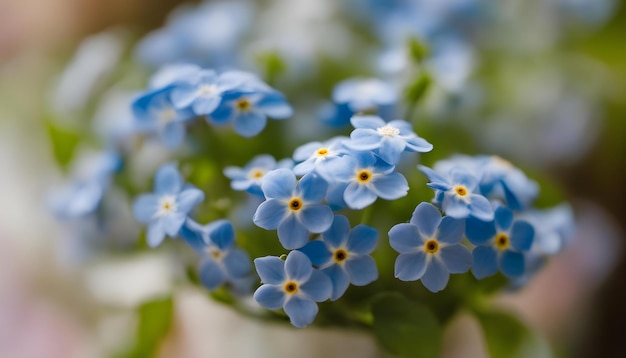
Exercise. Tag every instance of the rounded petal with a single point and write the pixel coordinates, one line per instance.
(312, 188)
(318, 286)
(298, 267)
(189, 198)
(222, 114)
(481, 208)
(274, 105)
(436, 276)
(316, 218)
(418, 144)
(427, 218)
(301, 311)
(270, 214)
(391, 186)
(522, 235)
(167, 180)
(145, 207)
(249, 124)
(183, 95)
(451, 230)
(457, 258)
(485, 261)
(270, 296)
(455, 208)
(362, 240)
(205, 105)
(211, 274)
(478, 231)
(173, 134)
(405, 238)
(358, 196)
(271, 269)
(339, 279)
(292, 234)
(410, 267)
(192, 235)
(237, 263)
(503, 218)
(172, 223)
(222, 234)
(279, 184)
(362, 270)
(155, 233)
(317, 252)
(337, 235)
(371, 122)
(391, 149)
(512, 263)
(363, 139)
(304, 151)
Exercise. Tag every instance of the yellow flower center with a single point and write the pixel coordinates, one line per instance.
(322, 152)
(291, 287)
(460, 190)
(256, 173)
(502, 241)
(295, 204)
(340, 255)
(431, 246)
(243, 105)
(364, 176)
(167, 204)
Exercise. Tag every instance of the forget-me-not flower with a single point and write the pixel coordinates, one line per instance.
(293, 208)
(249, 177)
(221, 261)
(166, 210)
(292, 284)
(315, 156)
(430, 248)
(502, 244)
(389, 140)
(343, 254)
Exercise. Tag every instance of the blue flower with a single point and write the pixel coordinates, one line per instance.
(554, 228)
(429, 248)
(292, 284)
(388, 139)
(247, 108)
(293, 210)
(166, 210)
(458, 194)
(250, 176)
(368, 179)
(315, 156)
(221, 260)
(343, 255)
(501, 244)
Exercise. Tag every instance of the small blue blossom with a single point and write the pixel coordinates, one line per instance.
(388, 139)
(368, 178)
(315, 156)
(294, 210)
(458, 194)
(293, 285)
(554, 228)
(429, 248)
(250, 176)
(221, 262)
(502, 244)
(166, 210)
(343, 255)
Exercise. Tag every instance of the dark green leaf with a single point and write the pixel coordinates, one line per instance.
(505, 335)
(404, 327)
(155, 319)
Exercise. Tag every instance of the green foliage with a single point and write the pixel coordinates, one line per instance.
(417, 50)
(63, 140)
(505, 335)
(406, 328)
(155, 320)
(272, 65)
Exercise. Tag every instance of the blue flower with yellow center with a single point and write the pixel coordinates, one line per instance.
(293, 285)
(343, 254)
(293, 207)
(430, 248)
(166, 210)
(502, 244)
(250, 176)
(315, 156)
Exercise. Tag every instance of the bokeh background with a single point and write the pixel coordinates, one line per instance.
(560, 114)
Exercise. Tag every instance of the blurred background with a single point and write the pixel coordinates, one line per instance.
(541, 83)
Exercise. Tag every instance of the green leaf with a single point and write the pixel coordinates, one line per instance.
(155, 320)
(416, 91)
(417, 50)
(404, 327)
(272, 65)
(63, 142)
(505, 335)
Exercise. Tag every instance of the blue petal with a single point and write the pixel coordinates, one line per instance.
(222, 234)
(301, 311)
(270, 296)
(363, 139)
(418, 144)
(270, 214)
(434, 177)
(271, 269)
(193, 236)
(173, 134)
(189, 198)
(371, 122)
(391, 186)
(451, 230)
(427, 218)
(461, 176)
(279, 184)
(173, 222)
(167, 180)
(390, 149)
(249, 124)
(454, 207)
(405, 238)
(436, 276)
(358, 196)
(522, 235)
(480, 207)
(362, 270)
(410, 267)
(339, 279)
(316, 218)
(274, 105)
(318, 287)
(206, 104)
(362, 240)
(337, 234)
(292, 234)
(317, 252)
(503, 218)
(183, 95)
(298, 267)
(343, 168)
(237, 263)
(457, 258)
(222, 114)
(144, 207)
(211, 274)
(155, 233)
(485, 261)
(312, 188)
(512, 263)
(304, 151)
(478, 231)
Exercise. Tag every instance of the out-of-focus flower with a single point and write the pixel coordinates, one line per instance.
(315, 156)
(249, 177)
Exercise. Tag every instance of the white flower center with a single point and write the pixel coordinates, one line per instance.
(256, 173)
(388, 131)
(167, 115)
(167, 205)
(214, 252)
(208, 90)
